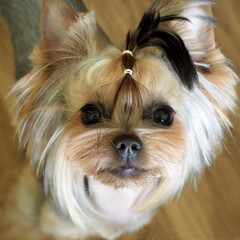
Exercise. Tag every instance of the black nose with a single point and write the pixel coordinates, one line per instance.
(128, 147)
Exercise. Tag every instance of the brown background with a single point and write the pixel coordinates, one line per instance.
(212, 212)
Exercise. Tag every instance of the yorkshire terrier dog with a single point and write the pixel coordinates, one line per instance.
(114, 133)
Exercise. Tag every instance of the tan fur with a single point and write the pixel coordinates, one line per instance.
(73, 66)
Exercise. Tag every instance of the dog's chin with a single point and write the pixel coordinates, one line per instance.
(126, 177)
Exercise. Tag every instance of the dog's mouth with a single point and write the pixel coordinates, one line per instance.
(125, 171)
(130, 176)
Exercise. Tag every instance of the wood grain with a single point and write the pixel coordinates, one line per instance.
(210, 213)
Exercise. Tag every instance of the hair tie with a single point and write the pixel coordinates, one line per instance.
(129, 71)
(127, 52)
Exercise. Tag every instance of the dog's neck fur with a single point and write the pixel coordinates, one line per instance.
(114, 213)
(115, 204)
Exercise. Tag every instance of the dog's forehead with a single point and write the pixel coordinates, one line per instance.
(99, 82)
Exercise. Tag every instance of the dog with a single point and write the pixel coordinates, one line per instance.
(113, 133)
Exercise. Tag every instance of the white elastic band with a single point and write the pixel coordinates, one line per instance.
(127, 52)
(129, 71)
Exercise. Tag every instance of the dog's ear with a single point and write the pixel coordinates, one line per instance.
(197, 34)
(65, 32)
(56, 18)
(201, 25)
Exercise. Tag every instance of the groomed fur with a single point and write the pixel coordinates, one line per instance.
(75, 66)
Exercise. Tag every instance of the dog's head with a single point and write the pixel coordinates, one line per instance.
(124, 118)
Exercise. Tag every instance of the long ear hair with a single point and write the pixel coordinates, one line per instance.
(152, 32)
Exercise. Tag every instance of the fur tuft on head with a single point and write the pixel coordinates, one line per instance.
(151, 32)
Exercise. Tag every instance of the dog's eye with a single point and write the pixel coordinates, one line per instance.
(90, 114)
(163, 115)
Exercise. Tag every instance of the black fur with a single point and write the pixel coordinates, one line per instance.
(150, 33)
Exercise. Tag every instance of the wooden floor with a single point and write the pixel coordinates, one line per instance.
(212, 212)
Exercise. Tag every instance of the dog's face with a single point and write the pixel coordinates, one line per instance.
(125, 133)
(82, 116)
